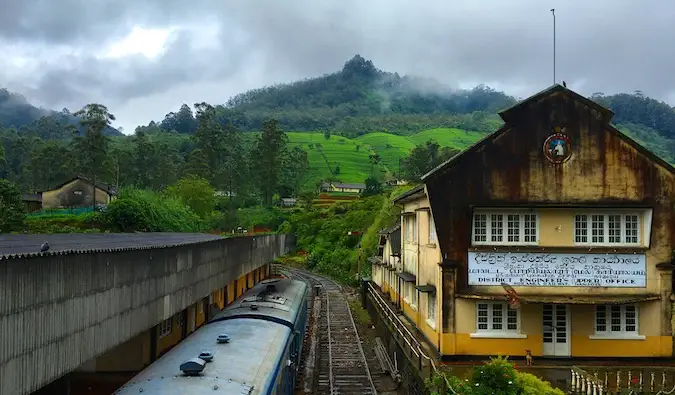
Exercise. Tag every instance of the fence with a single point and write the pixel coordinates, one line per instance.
(406, 340)
(628, 381)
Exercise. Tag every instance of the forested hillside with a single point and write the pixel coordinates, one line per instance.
(17, 115)
(364, 122)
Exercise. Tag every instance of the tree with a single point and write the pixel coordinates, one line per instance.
(267, 154)
(92, 148)
(423, 158)
(196, 193)
(295, 164)
(373, 187)
(11, 207)
(375, 159)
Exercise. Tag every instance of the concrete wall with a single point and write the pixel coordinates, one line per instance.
(59, 311)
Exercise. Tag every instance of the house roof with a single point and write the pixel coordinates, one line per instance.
(104, 187)
(510, 113)
(32, 197)
(410, 194)
(19, 246)
(350, 185)
(391, 229)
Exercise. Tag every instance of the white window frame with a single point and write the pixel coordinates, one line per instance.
(413, 294)
(433, 238)
(431, 310)
(164, 328)
(604, 330)
(589, 221)
(503, 333)
(505, 228)
(410, 227)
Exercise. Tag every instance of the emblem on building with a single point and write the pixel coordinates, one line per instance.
(557, 147)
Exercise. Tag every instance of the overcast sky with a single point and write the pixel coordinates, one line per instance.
(144, 58)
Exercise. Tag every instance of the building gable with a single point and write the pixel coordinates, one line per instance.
(598, 166)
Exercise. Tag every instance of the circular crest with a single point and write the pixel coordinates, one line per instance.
(557, 147)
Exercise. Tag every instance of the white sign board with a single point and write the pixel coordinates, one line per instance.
(536, 269)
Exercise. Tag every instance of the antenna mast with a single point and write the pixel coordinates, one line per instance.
(553, 12)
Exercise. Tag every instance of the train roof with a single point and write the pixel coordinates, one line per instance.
(245, 365)
(273, 299)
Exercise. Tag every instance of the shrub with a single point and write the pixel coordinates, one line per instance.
(65, 223)
(11, 207)
(498, 376)
(533, 385)
(196, 193)
(140, 210)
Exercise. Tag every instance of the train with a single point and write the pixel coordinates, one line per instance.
(253, 346)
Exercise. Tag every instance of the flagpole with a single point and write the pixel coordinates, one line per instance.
(553, 12)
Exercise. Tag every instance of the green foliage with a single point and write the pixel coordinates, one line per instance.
(373, 187)
(498, 376)
(147, 211)
(323, 235)
(11, 207)
(265, 217)
(425, 157)
(533, 385)
(196, 193)
(90, 222)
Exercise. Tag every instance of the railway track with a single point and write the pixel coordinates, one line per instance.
(342, 368)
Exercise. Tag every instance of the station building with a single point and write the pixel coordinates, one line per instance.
(560, 208)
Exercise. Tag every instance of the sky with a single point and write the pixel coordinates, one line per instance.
(143, 59)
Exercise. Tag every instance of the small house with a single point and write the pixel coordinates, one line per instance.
(77, 192)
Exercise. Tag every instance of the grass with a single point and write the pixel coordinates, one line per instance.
(351, 156)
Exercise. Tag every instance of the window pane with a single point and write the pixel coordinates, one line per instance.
(615, 319)
(631, 318)
(497, 228)
(601, 319)
(614, 228)
(631, 231)
(482, 316)
(497, 317)
(597, 228)
(480, 228)
(581, 229)
(530, 228)
(512, 320)
(513, 228)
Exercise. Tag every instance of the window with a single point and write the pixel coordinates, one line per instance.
(619, 320)
(165, 327)
(505, 228)
(410, 222)
(413, 291)
(432, 230)
(431, 307)
(496, 317)
(607, 229)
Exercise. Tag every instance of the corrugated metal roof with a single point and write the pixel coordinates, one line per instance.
(26, 246)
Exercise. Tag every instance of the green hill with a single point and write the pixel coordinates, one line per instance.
(348, 160)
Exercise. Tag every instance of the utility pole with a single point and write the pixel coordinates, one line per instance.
(553, 12)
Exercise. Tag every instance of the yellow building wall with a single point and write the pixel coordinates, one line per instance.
(582, 320)
(200, 314)
(241, 285)
(249, 281)
(164, 343)
(556, 229)
(231, 289)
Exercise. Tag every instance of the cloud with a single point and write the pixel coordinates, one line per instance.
(216, 49)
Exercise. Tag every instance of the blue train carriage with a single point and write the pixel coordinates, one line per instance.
(252, 347)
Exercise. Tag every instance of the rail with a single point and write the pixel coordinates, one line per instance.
(411, 340)
(348, 372)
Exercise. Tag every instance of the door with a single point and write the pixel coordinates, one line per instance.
(556, 330)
